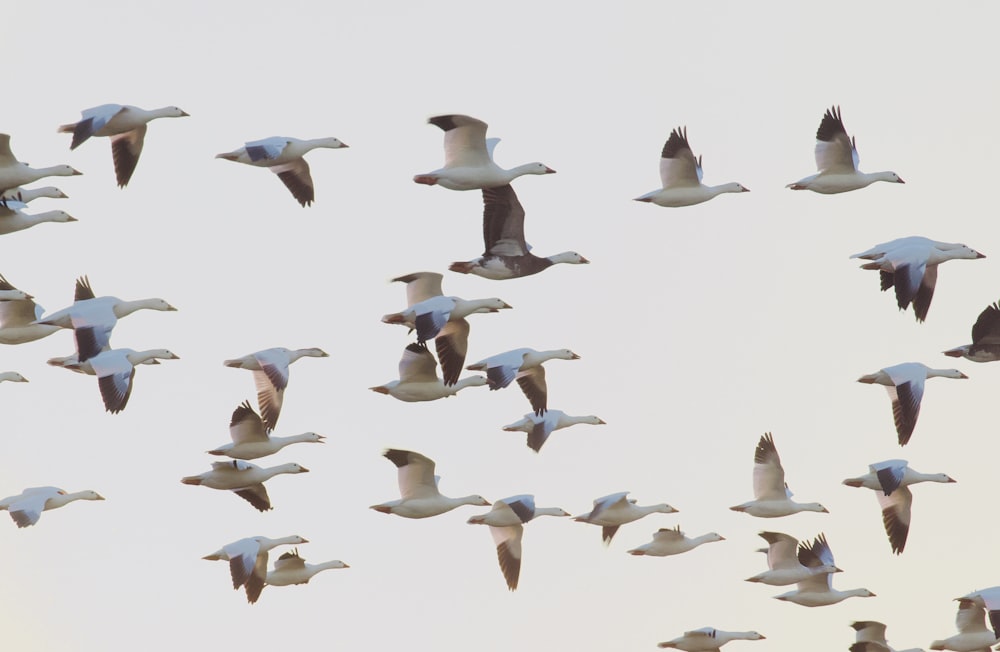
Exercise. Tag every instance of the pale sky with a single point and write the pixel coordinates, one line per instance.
(699, 328)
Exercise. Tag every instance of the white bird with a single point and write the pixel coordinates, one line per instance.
(435, 316)
(671, 541)
(772, 497)
(506, 521)
(681, 174)
(870, 637)
(13, 218)
(289, 569)
(615, 510)
(27, 507)
(283, 156)
(270, 376)
(251, 440)
(506, 254)
(418, 379)
(419, 496)
(244, 479)
(985, 346)
(248, 561)
(526, 366)
(13, 173)
(911, 266)
(18, 315)
(12, 376)
(468, 157)
(126, 127)
(818, 591)
(837, 161)
(115, 371)
(890, 480)
(905, 384)
(783, 564)
(973, 635)
(707, 639)
(539, 427)
(28, 195)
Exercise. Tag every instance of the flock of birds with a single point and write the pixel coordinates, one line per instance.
(908, 265)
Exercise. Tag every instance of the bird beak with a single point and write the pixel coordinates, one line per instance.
(979, 255)
(70, 218)
(304, 469)
(100, 497)
(76, 172)
(549, 170)
(575, 357)
(601, 422)
(584, 261)
(961, 375)
(901, 181)
(380, 389)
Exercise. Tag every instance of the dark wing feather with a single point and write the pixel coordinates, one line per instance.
(256, 496)
(125, 150)
(532, 383)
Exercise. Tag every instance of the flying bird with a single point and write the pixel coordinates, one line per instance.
(681, 174)
(539, 427)
(270, 375)
(418, 490)
(418, 379)
(27, 507)
(615, 510)
(14, 173)
(248, 561)
(244, 479)
(708, 639)
(985, 345)
(251, 440)
(772, 498)
(783, 561)
(671, 541)
(290, 569)
(905, 384)
(818, 591)
(526, 366)
(115, 371)
(973, 635)
(13, 218)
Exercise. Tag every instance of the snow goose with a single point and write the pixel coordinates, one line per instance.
(973, 635)
(248, 561)
(506, 254)
(244, 479)
(837, 161)
(870, 635)
(115, 371)
(27, 507)
(985, 345)
(468, 157)
(506, 521)
(28, 195)
(92, 318)
(681, 173)
(905, 384)
(707, 639)
(13, 218)
(772, 497)
(419, 496)
(12, 376)
(539, 427)
(667, 541)
(988, 599)
(17, 317)
(818, 591)
(418, 379)
(911, 266)
(270, 375)
(440, 318)
(13, 173)
(783, 565)
(126, 127)
(283, 156)
(526, 366)
(615, 510)
(890, 480)
(292, 569)
(250, 439)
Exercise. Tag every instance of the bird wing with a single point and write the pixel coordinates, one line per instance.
(986, 330)
(19, 312)
(669, 535)
(768, 475)
(125, 150)
(452, 344)
(869, 631)
(925, 292)
(257, 577)
(532, 383)
(906, 398)
(114, 377)
(290, 561)
(464, 140)
(417, 365)
(781, 550)
(508, 542)
(296, 177)
(971, 618)
(6, 156)
(246, 426)
(835, 151)
(266, 149)
(256, 495)
(420, 286)
(678, 166)
(242, 557)
(896, 516)
(274, 364)
(28, 509)
(540, 432)
(889, 474)
(503, 223)
(522, 505)
(93, 121)
(415, 474)
(269, 399)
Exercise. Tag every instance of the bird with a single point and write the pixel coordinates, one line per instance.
(283, 156)
(115, 371)
(911, 266)
(506, 521)
(988, 599)
(244, 479)
(539, 427)
(671, 541)
(772, 497)
(18, 315)
(125, 125)
(526, 366)
(13, 173)
(818, 591)
(870, 635)
(270, 375)
(27, 507)
(419, 496)
(985, 345)
(418, 379)
(905, 384)
(468, 157)
(251, 440)
(506, 254)
(12, 376)
(973, 635)
(290, 568)
(615, 510)
(890, 480)
(248, 561)
(837, 161)
(681, 174)
(435, 316)
(92, 318)
(13, 218)
(783, 564)
(27, 195)
(707, 639)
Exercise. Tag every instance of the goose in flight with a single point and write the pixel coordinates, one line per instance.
(772, 498)
(905, 384)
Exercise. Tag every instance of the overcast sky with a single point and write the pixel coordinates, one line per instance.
(699, 328)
